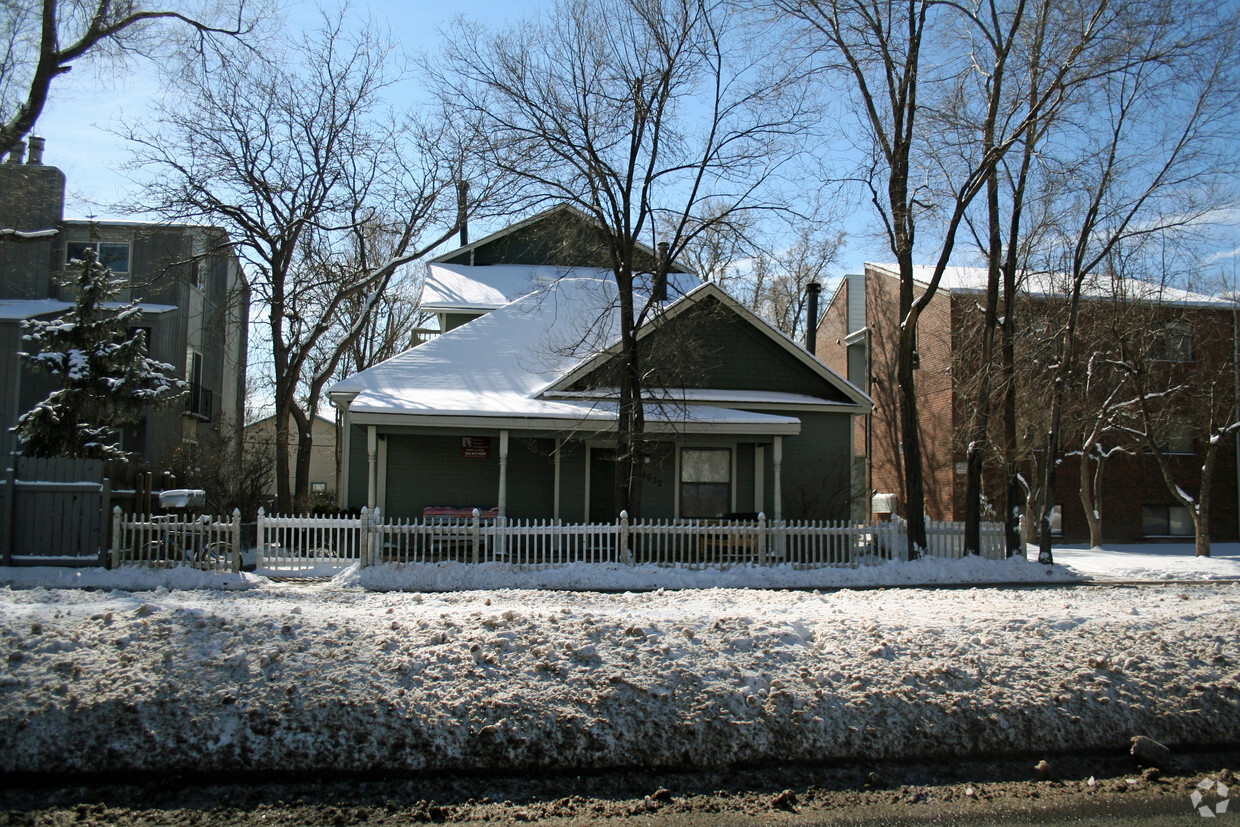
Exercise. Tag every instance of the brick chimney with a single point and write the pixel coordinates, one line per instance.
(16, 152)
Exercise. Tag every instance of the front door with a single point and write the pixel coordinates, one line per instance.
(602, 486)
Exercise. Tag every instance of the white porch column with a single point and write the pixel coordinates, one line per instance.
(381, 476)
(503, 473)
(555, 507)
(778, 461)
(372, 458)
(342, 470)
(759, 478)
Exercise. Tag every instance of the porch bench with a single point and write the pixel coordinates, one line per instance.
(735, 545)
(450, 528)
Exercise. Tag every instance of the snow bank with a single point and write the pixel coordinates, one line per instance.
(133, 578)
(299, 678)
(620, 577)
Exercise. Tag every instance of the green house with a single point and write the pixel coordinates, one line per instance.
(513, 408)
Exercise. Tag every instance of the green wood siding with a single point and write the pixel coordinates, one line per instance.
(709, 346)
(561, 238)
(572, 482)
(427, 471)
(451, 321)
(817, 469)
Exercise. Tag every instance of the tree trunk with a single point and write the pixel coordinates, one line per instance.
(301, 466)
(1091, 496)
(915, 507)
(630, 424)
(980, 432)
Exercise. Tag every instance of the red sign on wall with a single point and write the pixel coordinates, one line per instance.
(475, 447)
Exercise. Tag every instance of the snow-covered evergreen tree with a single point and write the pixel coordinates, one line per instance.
(105, 378)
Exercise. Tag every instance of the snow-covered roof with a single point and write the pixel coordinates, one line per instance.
(462, 287)
(505, 365)
(17, 309)
(1044, 284)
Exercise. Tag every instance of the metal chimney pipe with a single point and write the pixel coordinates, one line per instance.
(35, 155)
(811, 316)
(462, 210)
(659, 287)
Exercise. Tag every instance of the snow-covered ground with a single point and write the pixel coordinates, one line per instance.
(1073, 564)
(159, 673)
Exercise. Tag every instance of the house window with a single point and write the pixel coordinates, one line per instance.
(1176, 343)
(195, 273)
(1166, 521)
(705, 482)
(112, 254)
(318, 488)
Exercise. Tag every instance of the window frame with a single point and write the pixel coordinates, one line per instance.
(77, 246)
(728, 488)
(1167, 522)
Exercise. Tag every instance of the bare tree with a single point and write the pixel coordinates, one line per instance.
(1178, 366)
(1151, 165)
(297, 156)
(767, 268)
(658, 119)
(900, 63)
(42, 41)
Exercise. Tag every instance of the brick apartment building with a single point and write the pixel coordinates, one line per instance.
(858, 337)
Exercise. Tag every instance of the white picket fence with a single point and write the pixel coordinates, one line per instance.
(292, 543)
(164, 541)
(289, 542)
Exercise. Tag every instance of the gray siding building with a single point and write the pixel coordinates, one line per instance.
(186, 277)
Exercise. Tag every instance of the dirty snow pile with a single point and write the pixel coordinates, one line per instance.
(296, 677)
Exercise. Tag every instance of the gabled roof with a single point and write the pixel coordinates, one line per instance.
(711, 290)
(464, 288)
(502, 370)
(1043, 284)
(537, 218)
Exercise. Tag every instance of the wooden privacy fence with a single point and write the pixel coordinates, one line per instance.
(55, 512)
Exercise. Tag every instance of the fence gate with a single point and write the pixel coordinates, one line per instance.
(55, 512)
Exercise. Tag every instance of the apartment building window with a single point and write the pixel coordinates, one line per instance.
(705, 482)
(1166, 521)
(112, 254)
(200, 400)
(1180, 438)
(1175, 343)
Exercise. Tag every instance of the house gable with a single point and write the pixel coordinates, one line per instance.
(560, 237)
(710, 345)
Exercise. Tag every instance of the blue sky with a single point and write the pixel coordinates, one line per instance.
(90, 99)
